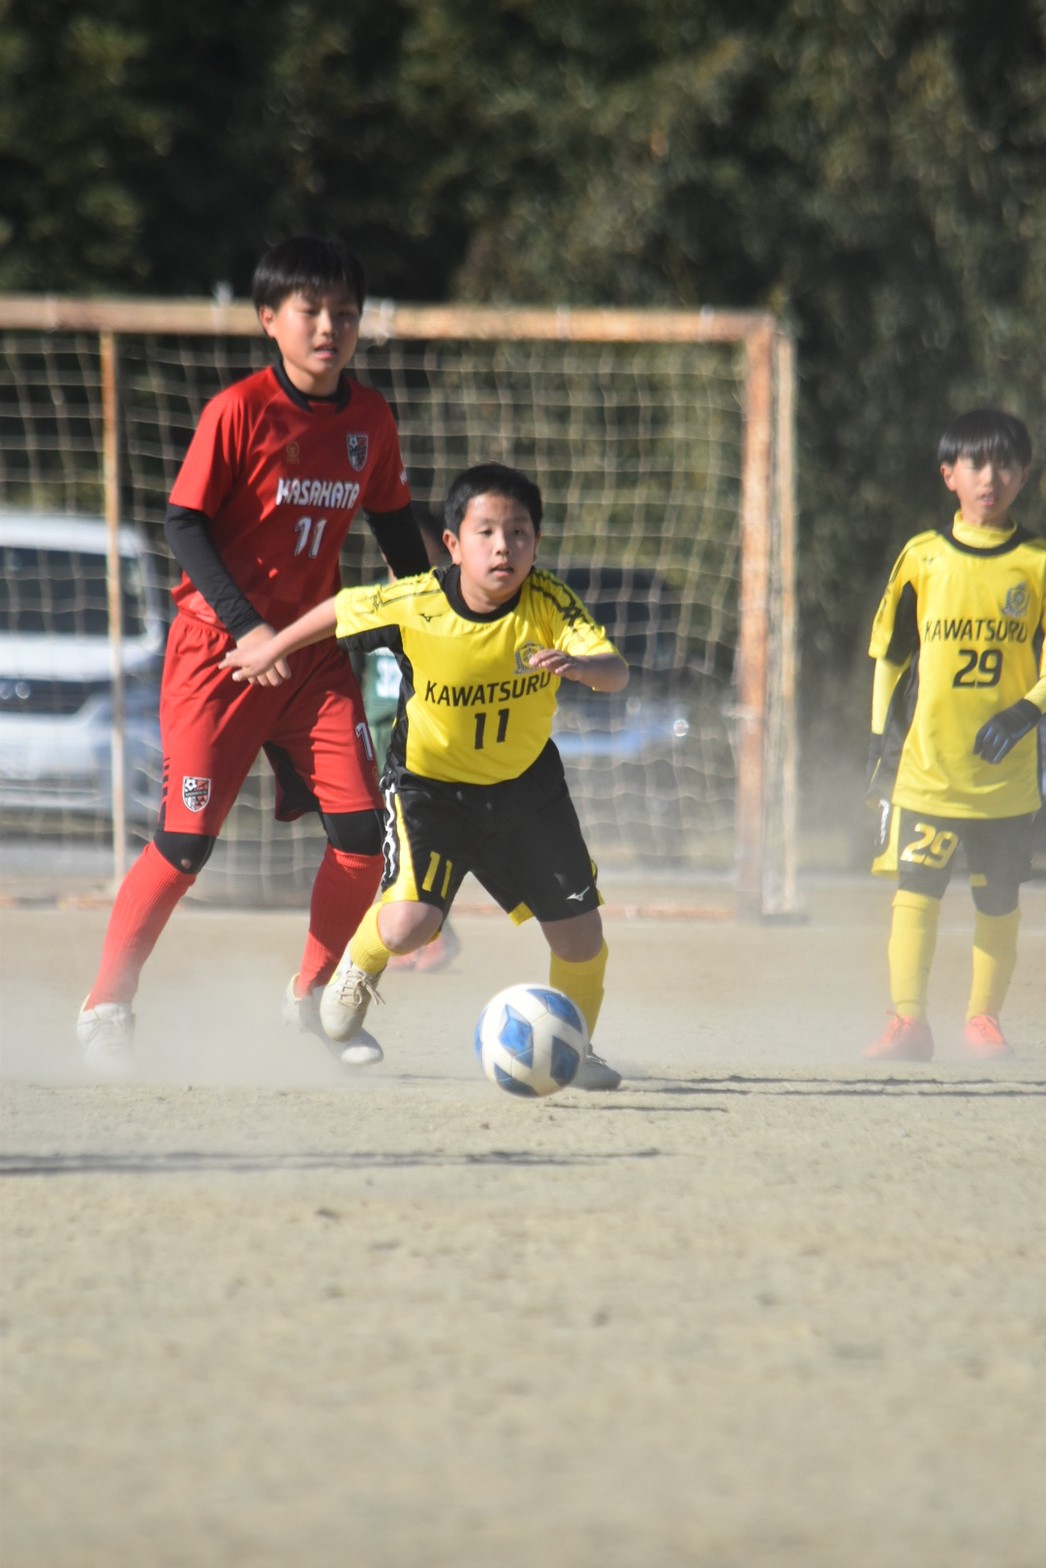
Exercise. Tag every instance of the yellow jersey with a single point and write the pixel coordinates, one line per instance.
(965, 610)
(471, 710)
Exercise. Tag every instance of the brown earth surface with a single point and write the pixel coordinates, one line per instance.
(769, 1305)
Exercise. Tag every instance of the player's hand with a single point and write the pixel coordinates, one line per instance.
(566, 665)
(251, 660)
(598, 671)
(997, 738)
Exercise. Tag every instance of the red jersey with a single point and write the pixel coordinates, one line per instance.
(281, 477)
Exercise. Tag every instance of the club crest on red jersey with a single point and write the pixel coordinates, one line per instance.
(196, 793)
(357, 450)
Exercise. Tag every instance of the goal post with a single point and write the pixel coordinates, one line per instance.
(663, 443)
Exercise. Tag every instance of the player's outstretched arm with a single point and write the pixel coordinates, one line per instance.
(600, 671)
(257, 656)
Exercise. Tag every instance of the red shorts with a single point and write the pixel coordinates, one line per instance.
(312, 728)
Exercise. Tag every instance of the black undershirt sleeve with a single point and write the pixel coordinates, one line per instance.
(189, 540)
(400, 541)
(904, 639)
(188, 535)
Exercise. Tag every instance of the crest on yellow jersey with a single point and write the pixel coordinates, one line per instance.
(1017, 600)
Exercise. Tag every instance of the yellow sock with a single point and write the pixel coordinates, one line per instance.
(913, 941)
(367, 951)
(994, 957)
(583, 983)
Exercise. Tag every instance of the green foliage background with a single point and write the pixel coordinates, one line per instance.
(873, 170)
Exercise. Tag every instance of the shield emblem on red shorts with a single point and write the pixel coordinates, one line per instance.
(195, 793)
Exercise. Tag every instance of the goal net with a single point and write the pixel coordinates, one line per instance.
(662, 444)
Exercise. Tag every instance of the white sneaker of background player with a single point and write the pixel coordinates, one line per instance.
(303, 1013)
(106, 1036)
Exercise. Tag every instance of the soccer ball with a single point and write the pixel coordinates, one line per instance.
(531, 1040)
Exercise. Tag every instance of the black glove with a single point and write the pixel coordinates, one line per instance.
(997, 738)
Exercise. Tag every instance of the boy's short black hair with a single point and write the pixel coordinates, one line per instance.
(491, 479)
(986, 434)
(307, 265)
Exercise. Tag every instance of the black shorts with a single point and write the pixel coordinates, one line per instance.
(919, 849)
(521, 840)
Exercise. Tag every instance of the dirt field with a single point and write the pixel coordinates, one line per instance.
(767, 1306)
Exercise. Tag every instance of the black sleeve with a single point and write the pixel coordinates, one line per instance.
(390, 637)
(188, 535)
(904, 639)
(400, 541)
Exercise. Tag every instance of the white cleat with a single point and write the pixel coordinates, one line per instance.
(363, 1051)
(595, 1073)
(106, 1036)
(346, 997)
(303, 1014)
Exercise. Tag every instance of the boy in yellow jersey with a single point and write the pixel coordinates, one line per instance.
(473, 781)
(958, 695)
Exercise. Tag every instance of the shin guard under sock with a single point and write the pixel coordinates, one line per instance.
(994, 959)
(366, 950)
(342, 893)
(583, 983)
(148, 896)
(913, 941)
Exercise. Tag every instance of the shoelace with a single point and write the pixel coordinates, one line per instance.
(354, 985)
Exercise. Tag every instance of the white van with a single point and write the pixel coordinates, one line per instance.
(56, 699)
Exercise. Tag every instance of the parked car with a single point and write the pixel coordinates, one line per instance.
(640, 611)
(638, 761)
(56, 672)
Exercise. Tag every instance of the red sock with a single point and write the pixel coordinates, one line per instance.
(147, 898)
(342, 893)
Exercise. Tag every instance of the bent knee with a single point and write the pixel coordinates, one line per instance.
(354, 832)
(186, 852)
(405, 926)
(576, 941)
(998, 899)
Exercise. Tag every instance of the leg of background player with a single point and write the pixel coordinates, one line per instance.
(913, 941)
(147, 898)
(994, 959)
(342, 893)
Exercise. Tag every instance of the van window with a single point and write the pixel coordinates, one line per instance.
(62, 593)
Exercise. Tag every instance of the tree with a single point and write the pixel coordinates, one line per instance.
(870, 170)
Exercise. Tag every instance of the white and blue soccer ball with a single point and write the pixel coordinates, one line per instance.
(531, 1040)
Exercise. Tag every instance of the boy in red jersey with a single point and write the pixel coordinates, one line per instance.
(276, 471)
